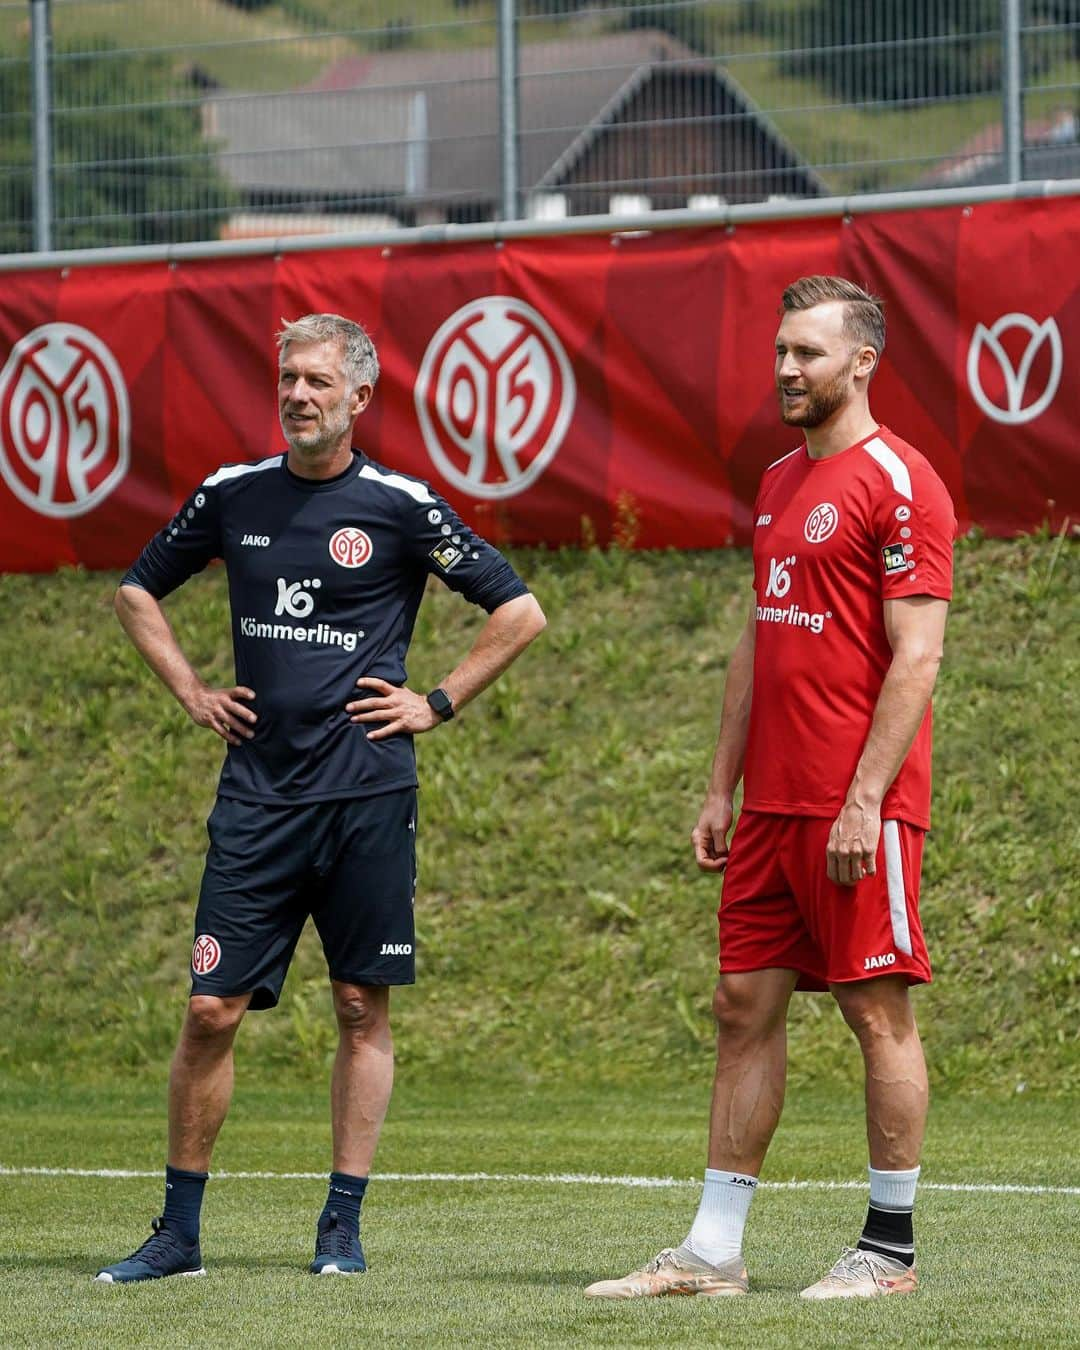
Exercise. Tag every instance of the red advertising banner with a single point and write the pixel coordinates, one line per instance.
(543, 382)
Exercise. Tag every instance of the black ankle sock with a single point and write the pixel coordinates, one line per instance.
(183, 1201)
(889, 1233)
(345, 1197)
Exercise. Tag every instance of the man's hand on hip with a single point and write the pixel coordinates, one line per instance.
(709, 835)
(851, 852)
(400, 708)
(222, 711)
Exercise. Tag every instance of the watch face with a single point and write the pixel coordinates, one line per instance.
(440, 703)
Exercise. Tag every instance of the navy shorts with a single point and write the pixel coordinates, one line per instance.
(350, 864)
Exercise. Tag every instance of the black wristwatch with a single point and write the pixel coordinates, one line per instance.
(441, 704)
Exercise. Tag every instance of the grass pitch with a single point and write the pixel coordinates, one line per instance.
(501, 1262)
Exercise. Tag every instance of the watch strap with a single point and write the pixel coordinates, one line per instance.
(441, 704)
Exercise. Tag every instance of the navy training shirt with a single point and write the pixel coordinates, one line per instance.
(325, 580)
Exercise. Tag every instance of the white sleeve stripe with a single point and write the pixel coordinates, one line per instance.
(894, 877)
(417, 491)
(893, 465)
(237, 470)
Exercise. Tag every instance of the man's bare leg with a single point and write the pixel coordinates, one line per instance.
(879, 1013)
(751, 1067)
(748, 1096)
(363, 1074)
(201, 1078)
(748, 1093)
(200, 1087)
(359, 1095)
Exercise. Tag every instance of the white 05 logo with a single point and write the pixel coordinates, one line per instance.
(494, 397)
(820, 523)
(64, 420)
(205, 954)
(1016, 378)
(295, 598)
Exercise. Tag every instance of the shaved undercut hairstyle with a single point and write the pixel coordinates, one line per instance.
(359, 361)
(864, 314)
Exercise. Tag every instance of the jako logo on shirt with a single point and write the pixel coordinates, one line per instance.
(350, 547)
(295, 598)
(255, 541)
(878, 962)
(779, 576)
(763, 520)
(396, 949)
(821, 523)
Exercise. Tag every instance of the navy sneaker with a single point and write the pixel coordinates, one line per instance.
(337, 1250)
(163, 1253)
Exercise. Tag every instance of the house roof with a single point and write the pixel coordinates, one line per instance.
(1051, 150)
(425, 123)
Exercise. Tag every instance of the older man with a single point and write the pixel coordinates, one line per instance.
(327, 555)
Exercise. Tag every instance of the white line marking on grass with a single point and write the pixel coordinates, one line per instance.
(541, 1179)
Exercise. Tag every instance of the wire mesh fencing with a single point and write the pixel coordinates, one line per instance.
(222, 119)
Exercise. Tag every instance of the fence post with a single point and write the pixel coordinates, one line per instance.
(1012, 113)
(509, 190)
(40, 69)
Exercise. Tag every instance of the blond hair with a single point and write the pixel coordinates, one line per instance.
(864, 314)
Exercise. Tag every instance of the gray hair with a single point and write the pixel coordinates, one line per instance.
(359, 360)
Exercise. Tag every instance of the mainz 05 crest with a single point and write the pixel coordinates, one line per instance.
(494, 396)
(64, 420)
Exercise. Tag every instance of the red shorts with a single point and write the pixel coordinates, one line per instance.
(779, 908)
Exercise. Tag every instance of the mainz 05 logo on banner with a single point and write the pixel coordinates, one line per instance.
(64, 420)
(494, 396)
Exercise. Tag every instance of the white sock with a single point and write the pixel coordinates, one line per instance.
(716, 1235)
(893, 1190)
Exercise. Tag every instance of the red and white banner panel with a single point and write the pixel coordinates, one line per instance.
(540, 382)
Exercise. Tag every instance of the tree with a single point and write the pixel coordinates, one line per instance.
(869, 52)
(130, 162)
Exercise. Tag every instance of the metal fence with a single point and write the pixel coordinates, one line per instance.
(130, 122)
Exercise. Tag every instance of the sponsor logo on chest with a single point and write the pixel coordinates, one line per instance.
(793, 614)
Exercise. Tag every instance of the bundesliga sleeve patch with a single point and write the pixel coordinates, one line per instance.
(894, 558)
(446, 555)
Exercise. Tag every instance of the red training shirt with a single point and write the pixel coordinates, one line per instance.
(834, 538)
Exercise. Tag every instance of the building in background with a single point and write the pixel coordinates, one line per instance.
(625, 122)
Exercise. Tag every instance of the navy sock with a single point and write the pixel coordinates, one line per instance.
(183, 1201)
(345, 1197)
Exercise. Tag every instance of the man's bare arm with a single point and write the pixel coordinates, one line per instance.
(508, 631)
(709, 835)
(915, 627)
(144, 621)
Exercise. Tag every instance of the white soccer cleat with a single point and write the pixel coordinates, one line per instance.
(860, 1274)
(676, 1271)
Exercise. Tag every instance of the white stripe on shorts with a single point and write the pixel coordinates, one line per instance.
(894, 876)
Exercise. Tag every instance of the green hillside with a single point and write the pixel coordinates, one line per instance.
(564, 931)
(856, 145)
